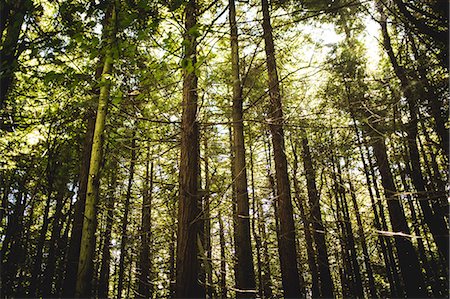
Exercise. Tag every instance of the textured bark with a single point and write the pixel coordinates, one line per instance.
(244, 271)
(145, 286)
(286, 244)
(326, 283)
(87, 248)
(187, 285)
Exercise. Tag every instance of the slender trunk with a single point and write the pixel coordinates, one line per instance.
(207, 227)
(87, 247)
(48, 290)
(145, 285)
(435, 222)
(286, 243)
(103, 283)
(396, 286)
(245, 275)
(73, 254)
(12, 248)
(409, 264)
(125, 220)
(36, 279)
(307, 230)
(223, 267)
(377, 223)
(428, 92)
(326, 282)
(356, 273)
(254, 225)
(362, 240)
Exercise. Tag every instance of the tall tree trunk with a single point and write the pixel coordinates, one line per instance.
(254, 225)
(244, 272)
(326, 283)
(73, 254)
(49, 272)
(145, 285)
(12, 247)
(207, 227)
(36, 279)
(187, 271)
(103, 283)
(125, 220)
(435, 222)
(286, 244)
(409, 263)
(307, 230)
(87, 247)
(356, 273)
(362, 240)
(377, 223)
(396, 286)
(223, 267)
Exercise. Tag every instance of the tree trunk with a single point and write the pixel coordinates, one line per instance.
(326, 282)
(145, 284)
(244, 272)
(48, 289)
(73, 254)
(12, 247)
(10, 49)
(306, 228)
(103, 283)
(409, 264)
(362, 240)
(435, 222)
(87, 247)
(223, 267)
(396, 286)
(125, 220)
(187, 271)
(286, 246)
(36, 279)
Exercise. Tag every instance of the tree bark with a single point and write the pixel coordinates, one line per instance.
(87, 248)
(244, 272)
(286, 244)
(187, 285)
